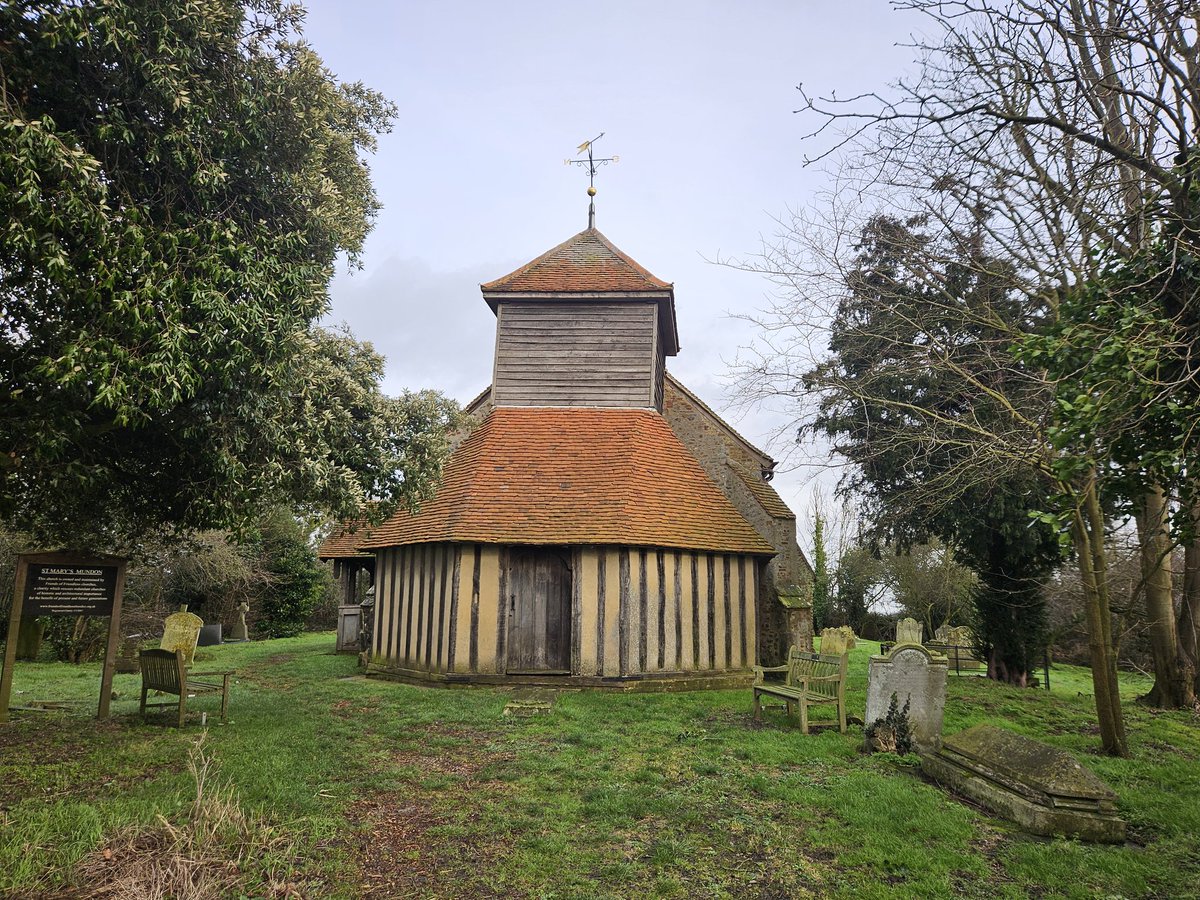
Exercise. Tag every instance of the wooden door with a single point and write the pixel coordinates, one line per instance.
(539, 612)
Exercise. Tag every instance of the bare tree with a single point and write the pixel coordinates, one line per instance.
(1053, 131)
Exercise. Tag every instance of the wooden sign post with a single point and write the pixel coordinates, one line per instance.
(66, 584)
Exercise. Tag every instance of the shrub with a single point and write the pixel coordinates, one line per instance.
(296, 581)
(891, 734)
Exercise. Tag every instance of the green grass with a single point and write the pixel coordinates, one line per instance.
(433, 792)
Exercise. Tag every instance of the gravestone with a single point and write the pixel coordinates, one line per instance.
(836, 641)
(238, 632)
(181, 631)
(127, 655)
(955, 635)
(348, 625)
(799, 617)
(917, 678)
(1041, 788)
(909, 631)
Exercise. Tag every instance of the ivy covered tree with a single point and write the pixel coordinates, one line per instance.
(177, 181)
(821, 580)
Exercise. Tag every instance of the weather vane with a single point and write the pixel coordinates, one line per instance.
(591, 162)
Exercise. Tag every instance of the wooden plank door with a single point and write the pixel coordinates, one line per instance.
(539, 612)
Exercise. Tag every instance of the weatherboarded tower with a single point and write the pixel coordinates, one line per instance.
(575, 538)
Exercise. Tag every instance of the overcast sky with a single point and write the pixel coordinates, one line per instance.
(696, 98)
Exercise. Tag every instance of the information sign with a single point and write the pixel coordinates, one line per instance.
(70, 590)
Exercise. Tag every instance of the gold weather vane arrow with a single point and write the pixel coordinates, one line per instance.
(591, 162)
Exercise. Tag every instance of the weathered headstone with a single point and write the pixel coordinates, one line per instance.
(181, 631)
(836, 641)
(238, 632)
(909, 631)
(798, 606)
(955, 635)
(127, 655)
(348, 623)
(917, 678)
(1041, 788)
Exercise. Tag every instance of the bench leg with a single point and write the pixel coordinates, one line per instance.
(225, 700)
(142, 707)
(757, 707)
(842, 716)
(803, 715)
(182, 705)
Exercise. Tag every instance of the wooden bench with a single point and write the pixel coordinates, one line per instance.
(808, 678)
(165, 671)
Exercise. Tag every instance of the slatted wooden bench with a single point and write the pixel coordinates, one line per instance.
(165, 671)
(809, 678)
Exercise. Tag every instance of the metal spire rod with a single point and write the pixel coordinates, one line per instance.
(591, 162)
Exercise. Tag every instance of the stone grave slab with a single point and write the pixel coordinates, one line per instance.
(181, 631)
(528, 704)
(918, 678)
(1041, 788)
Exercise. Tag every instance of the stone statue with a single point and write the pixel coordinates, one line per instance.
(239, 631)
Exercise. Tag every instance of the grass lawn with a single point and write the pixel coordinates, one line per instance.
(369, 788)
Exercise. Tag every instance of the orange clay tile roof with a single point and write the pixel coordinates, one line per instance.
(575, 476)
(586, 263)
(766, 495)
(343, 541)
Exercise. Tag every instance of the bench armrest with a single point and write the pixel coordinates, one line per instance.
(208, 674)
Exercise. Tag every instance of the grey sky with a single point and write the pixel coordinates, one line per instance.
(695, 97)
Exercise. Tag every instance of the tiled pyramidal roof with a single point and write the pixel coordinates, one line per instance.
(575, 476)
(584, 263)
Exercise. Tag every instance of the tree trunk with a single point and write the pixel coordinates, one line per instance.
(1188, 626)
(1087, 531)
(1173, 687)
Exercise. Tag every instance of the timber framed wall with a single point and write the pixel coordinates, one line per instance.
(636, 613)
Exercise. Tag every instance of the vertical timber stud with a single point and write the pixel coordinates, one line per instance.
(623, 614)
(725, 570)
(661, 609)
(678, 613)
(452, 647)
(642, 613)
(502, 612)
(742, 611)
(601, 587)
(576, 609)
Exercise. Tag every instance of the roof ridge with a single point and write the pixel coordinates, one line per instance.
(521, 270)
(642, 270)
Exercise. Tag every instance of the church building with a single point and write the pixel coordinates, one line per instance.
(599, 526)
